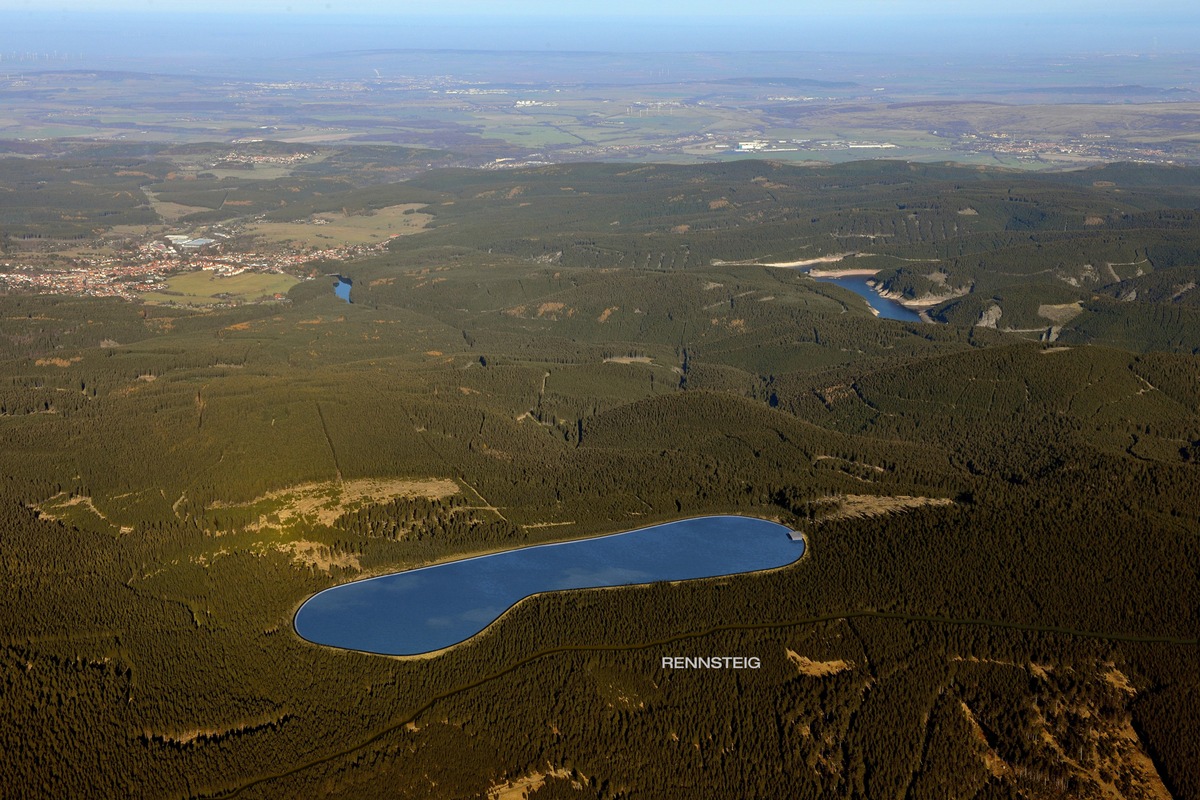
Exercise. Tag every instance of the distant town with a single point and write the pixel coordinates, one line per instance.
(150, 263)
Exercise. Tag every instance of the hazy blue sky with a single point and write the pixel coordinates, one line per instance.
(270, 27)
(1089, 10)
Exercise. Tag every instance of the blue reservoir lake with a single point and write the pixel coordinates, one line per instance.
(422, 610)
(342, 288)
(888, 309)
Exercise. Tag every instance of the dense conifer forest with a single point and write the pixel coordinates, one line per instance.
(1001, 592)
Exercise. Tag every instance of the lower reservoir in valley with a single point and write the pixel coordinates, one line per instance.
(886, 308)
(342, 288)
(422, 610)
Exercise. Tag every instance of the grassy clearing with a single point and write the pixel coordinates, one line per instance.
(204, 288)
(332, 229)
(258, 173)
(117, 231)
(170, 212)
(532, 135)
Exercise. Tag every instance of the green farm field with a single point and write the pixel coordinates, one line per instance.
(204, 288)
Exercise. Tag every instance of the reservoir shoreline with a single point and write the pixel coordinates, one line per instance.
(405, 614)
(906, 310)
(882, 304)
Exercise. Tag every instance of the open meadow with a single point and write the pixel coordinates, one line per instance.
(204, 288)
(340, 229)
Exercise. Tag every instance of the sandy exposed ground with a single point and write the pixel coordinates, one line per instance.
(807, 262)
(841, 273)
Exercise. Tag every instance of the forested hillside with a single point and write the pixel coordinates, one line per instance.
(1000, 596)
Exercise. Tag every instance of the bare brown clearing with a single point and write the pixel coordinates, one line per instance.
(519, 788)
(58, 362)
(869, 505)
(325, 502)
(1060, 313)
(817, 669)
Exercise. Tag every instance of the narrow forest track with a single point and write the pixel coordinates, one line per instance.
(486, 506)
(412, 716)
(329, 441)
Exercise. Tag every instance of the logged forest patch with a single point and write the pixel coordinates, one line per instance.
(323, 503)
(320, 556)
(202, 735)
(1087, 731)
(78, 511)
(997, 766)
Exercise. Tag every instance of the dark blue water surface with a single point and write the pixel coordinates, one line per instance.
(342, 288)
(888, 309)
(426, 609)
